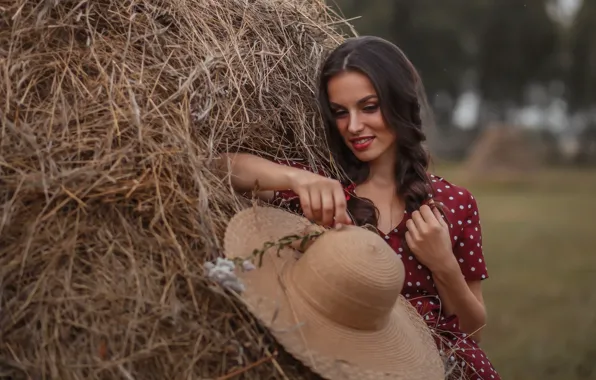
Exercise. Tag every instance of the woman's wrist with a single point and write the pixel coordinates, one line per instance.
(292, 177)
(448, 272)
(447, 268)
(248, 170)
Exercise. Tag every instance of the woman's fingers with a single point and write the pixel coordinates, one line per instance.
(341, 207)
(418, 220)
(413, 234)
(315, 204)
(327, 208)
(305, 204)
(432, 217)
(323, 201)
(439, 217)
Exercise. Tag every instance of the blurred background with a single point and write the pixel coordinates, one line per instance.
(512, 85)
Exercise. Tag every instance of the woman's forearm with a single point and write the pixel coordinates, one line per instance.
(457, 298)
(246, 170)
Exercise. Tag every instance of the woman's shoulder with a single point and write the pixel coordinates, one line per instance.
(457, 198)
(443, 186)
(461, 211)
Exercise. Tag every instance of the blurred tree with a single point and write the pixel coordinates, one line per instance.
(374, 17)
(517, 48)
(510, 52)
(438, 37)
(508, 43)
(581, 78)
(441, 40)
(581, 73)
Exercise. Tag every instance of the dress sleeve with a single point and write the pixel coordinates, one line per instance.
(468, 247)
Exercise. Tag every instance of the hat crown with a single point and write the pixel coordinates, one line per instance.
(351, 276)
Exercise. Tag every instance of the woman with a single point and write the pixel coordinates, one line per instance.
(370, 97)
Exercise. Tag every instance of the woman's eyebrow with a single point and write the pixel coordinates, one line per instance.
(361, 101)
(366, 99)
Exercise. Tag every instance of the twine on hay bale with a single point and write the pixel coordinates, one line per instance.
(111, 114)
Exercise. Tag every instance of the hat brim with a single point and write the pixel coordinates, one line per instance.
(402, 349)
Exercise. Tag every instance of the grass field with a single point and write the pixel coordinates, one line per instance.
(540, 247)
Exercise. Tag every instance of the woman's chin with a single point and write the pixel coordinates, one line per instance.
(366, 156)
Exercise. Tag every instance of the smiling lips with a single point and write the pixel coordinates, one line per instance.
(362, 143)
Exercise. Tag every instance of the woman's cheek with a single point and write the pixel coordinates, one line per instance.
(342, 126)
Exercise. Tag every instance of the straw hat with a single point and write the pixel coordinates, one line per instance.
(337, 307)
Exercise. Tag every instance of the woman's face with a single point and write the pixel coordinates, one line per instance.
(355, 106)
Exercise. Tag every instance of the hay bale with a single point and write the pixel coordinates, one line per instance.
(503, 153)
(111, 114)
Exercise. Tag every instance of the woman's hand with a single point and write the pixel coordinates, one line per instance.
(428, 238)
(322, 199)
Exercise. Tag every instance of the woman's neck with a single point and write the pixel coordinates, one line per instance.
(382, 172)
(382, 189)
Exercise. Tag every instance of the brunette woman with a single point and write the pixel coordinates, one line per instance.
(370, 97)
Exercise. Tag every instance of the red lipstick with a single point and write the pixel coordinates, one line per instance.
(362, 143)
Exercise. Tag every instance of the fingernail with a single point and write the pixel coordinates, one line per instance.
(338, 226)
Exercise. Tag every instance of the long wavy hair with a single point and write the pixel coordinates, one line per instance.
(401, 94)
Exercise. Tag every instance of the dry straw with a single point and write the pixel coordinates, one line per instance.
(112, 111)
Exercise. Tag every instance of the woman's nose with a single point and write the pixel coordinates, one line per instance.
(356, 126)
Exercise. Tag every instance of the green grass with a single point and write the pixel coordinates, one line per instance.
(540, 247)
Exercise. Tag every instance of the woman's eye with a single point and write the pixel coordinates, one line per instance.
(371, 108)
(339, 113)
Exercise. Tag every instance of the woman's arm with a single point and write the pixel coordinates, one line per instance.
(457, 281)
(462, 298)
(321, 199)
(246, 170)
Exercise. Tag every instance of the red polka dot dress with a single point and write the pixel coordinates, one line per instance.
(464, 358)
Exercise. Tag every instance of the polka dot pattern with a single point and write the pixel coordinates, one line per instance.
(463, 219)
